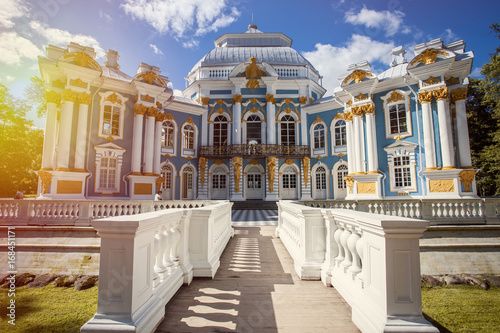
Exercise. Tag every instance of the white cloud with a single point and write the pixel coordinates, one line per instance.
(178, 92)
(332, 61)
(448, 36)
(385, 20)
(14, 48)
(63, 37)
(476, 73)
(105, 16)
(11, 9)
(182, 18)
(156, 50)
(191, 44)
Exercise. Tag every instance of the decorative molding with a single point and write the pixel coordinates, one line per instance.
(441, 185)
(318, 120)
(237, 164)
(303, 100)
(113, 98)
(429, 56)
(46, 179)
(140, 109)
(69, 95)
(360, 97)
(151, 111)
(366, 188)
(467, 177)
(271, 169)
(440, 93)
(430, 81)
(357, 111)
(58, 84)
(338, 115)
(218, 162)
(452, 81)
(254, 162)
(205, 100)
(237, 98)
(306, 162)
(84, 98)
(395, 97)
(150, 78)
(347, 116)
(289, 161)
(358, 76)
(459, 94)
(147, 98)
(270, 98)
(368, 108)
(78, 83)
(53, 97)
(425, 97)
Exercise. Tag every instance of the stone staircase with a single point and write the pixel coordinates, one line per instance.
(254, 204)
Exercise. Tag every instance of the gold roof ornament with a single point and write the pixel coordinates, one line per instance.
(253, 73)
(395, 96)
(150, 78)
(83, 60)
(430, 81)
(429, 56)
(113, 98)
(360, 97)
(358, 76)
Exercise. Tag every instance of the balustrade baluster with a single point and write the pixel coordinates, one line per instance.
(347, 262)
(480, 210)
(158, 268)
(167, 260)
(336, 236)
(457, 210)
(351, 243)
(176, 236)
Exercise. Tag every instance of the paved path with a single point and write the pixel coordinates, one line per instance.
(256, 290)
(253, 218)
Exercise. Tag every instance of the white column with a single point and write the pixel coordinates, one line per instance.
(350, 143)
(371, 139)
(463, 138)
(204, 128)
(445, 135)
(303, 127)
(428, 128)
(49, 138)
(271, 119)
(149, 141)
(237, 99)
(358, 136)
(66, 124)
(157, 143)
(81, 132)
(139, 111)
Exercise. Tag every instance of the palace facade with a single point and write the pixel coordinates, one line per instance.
(254, 124)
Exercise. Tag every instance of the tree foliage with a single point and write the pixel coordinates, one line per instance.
(20, 146)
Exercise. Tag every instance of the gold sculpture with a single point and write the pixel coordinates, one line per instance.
(358, 76)
(237, 164)
(427, 57)
(46, 179)
(425, 96)
(271, 168)
(203, 167)
(467, 177)
(305, 162)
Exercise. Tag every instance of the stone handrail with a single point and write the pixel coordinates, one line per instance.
(437, 211)
(372, 260)
(145, 259)
(82, 212)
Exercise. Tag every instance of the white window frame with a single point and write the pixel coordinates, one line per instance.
(194, 184)
(172, 151)
(108, 150)
(296, 129)
(335, 178)
(298, 179)
(117, 102)
(185, 151)
(212, 130)
(399, 149)
(323, 151)
(262, 126)
(389, 101)
(342, 148)
(174, 175)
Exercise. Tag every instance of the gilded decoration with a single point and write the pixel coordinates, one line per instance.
(147, 98)
(349, 181)
(237, 98)
(467, 177)
(150, 78)
(347, 116)
(254, 162)
(395, 96)
(203, 168)
(84, 98)
(311, 99)
(368, 108)
(218, 162)
(140, 109)
(82, 59)
(398, 137)
(349, 103)
(306, 162)
(168, 116)
(459, 94)
(289, 161)
(338, 115)
(357, 111)
(46, 179)
(220, 101)
(69, 95)
(425, 96)
(167, 156)
(427, 57)
(237, 164)
(318, 120)
(360, 97)
(113, 98)
(253, 109)
(430, 81)
(270, 98)
(160, 116)
(271, 169)
(253, 73)
(159, 105)
(205, 100)
(452, 81)
(287, 110)
(341, 155)
(303, 100)
(159, 181)
(440, 93)
(367, 188)
(441, 185)
(58, 84)
(110, 138)
(151, 111)
(358, 76)
(53, 97)
(78, 83)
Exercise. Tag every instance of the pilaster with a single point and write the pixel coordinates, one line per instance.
(49, 140)
(81, 135)
(305, 184)
(149, 141)
(139, 111)
(65, 127)
(237, 99)
(445, 132)
(425, 98)
(458, 97)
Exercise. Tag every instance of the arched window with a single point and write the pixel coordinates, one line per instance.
(168, 134)
(319, 136)
(220, 131)
(254, 129)
(341, 174)
(188, 183)
(340, 133)
(397, 113)
(188, 137)
(287, 130)
(320, 178)
(112, 115)
(167, 185)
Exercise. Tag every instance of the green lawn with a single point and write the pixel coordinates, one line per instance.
(49, 309)
(462, 308)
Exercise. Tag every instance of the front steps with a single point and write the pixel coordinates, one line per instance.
(254, 204)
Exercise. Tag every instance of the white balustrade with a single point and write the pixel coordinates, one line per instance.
(145, 259)
(372, 260)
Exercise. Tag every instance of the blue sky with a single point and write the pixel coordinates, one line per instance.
(175, 34)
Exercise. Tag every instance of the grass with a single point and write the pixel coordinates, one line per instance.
(49, 309)
(462, 308)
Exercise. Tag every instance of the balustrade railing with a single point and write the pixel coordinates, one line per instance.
(81, 212)
(145, 259)
(253, 150)
(372, 260)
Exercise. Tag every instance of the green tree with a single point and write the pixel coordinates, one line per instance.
(20, 147)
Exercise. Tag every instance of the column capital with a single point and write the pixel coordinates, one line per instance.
(151, 111)
(440, 93)
(347, 116)
(53, 97)
(459, 94)
(84, 98)
(357, 111)
(369, 108)
(205, 100)
(69, 95)
(160, 117)
(140, 109)
(238, 98)
(425, 96)
(270, 98)
(303, 100)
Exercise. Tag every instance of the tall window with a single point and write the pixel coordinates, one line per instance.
(320, 178)
(188, 137)
(168, 134)
(287, 130)
(254, 129)
(289, 178)
(111, 115)
(107, 179)
(166, 172)
(220, 131)
(397, 118)
(111, 120)
(340, 133)
(319, 136)
(402, 171)
(341, 174)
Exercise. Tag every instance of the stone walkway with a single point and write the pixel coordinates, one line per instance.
(256, 290)
(252, 218)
